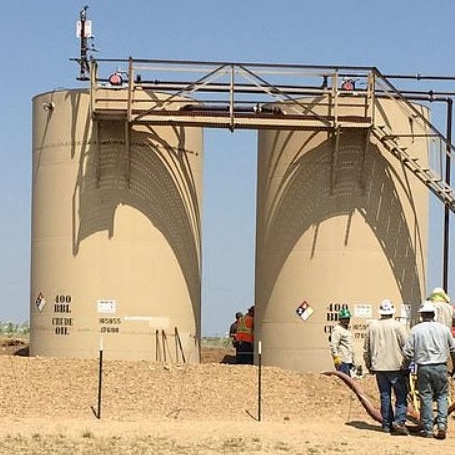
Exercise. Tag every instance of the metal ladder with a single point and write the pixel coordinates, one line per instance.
(428, 177)
(392, 142)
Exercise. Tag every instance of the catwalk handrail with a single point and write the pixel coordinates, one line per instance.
(255, 95)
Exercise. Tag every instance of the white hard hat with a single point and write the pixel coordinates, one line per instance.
(427, 307)
(386, 308)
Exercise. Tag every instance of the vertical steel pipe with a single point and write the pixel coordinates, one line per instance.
(446, 241)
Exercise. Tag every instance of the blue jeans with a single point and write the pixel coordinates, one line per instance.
(433, 384)
(396, 381)
(245, 353)
(344, 368)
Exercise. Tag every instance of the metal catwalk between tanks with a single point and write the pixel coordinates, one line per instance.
(249, 96)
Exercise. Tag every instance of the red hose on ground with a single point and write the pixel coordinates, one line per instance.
(372, 412)
(355, 387)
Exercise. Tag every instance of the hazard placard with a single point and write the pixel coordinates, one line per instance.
(304, 311)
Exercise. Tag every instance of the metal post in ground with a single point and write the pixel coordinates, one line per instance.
(259, 379)
(100, 379)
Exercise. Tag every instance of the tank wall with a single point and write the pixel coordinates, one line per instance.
(335, 229)
(115, 236)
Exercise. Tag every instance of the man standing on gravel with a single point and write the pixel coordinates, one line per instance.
(429, 345)
(383, 356)
(341, 343)
(244, 336)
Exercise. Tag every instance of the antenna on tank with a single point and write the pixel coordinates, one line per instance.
(84, 32)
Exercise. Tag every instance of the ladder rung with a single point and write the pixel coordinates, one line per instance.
(431, 179)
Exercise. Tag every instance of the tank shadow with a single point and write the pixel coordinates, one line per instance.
(23, 352)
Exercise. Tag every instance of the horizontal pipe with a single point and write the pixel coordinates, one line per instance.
(419, 77)
(334, 68)
(305, 90)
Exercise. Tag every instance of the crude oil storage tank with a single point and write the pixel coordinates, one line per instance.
(116, 260)
(340, 224)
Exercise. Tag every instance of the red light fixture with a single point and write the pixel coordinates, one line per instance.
(348, 84)
(115, 79)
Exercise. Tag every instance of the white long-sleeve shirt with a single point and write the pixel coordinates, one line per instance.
(341, 344)
(429, 342)
(383, 345)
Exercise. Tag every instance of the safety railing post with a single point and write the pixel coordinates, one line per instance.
(231, 98)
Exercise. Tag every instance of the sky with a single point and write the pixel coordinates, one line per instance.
(39, 39)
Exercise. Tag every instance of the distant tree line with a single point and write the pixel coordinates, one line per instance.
(13, 329)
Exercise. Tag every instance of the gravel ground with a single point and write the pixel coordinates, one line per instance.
(50, 406)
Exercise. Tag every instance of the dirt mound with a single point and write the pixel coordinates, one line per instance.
(209, 353)
(51, 406)
(13, 346)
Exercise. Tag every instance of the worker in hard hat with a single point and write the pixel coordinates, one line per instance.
(429, 345)
(444, 309)
(244, 337)
(383, 356)
(341, 343)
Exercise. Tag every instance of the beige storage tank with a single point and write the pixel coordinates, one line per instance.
(340, 223)
(116, 242)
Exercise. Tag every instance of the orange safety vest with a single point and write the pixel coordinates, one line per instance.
(245, 329)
